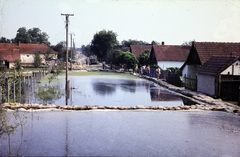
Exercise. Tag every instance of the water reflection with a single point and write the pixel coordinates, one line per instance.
(114, 90)
(103, 88)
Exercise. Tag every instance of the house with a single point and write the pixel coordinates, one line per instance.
(220, 77)
(200, 52)
(137, 49)
(27, 53)
(169, 55)
(8, 54)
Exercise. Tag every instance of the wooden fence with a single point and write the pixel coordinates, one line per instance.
(18, 90)
(190, 83)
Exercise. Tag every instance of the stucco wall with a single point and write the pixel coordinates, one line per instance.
(206, 84)
(29, 58)
(233, 69)
(189, 71)
(167, 64)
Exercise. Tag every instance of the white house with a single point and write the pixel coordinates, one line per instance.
(167, 56)
(220, 77)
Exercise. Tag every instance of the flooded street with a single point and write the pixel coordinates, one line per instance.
(126, 133)
(114, 90)
(142, 132)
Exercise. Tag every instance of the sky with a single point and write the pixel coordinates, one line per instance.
(171, 21)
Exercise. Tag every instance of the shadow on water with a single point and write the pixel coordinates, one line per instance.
(103, 88)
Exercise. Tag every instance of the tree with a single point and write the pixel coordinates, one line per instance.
(129, 59)
(144, 57)
(17, 65)
(86, 50)
(22, 36)
(59, 49)
(38, 37)
(103, 42)
(37, 60)
(112, 56)
(129, 42)
(34, 36)
(4, 40)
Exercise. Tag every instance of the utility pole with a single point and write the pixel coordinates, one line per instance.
(71, 51)
(67, 18)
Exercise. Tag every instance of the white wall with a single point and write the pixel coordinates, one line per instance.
(189, 71)
(233, 69)
(167, 64)
(29, 58)
(206, 84)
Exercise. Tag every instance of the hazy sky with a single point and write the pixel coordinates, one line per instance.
(173, 22)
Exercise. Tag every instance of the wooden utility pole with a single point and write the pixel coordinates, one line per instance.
(71, 51)
(67, 19)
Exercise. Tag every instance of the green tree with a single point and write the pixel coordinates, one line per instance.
(112, 56)
(17, 65)
(59, 49)
(34, 36)
(38, 37)
(4, 40)
(144, 57)
(86, 50)
(129, 59)
(22, 36)
(37, 60)
(103, 42)
(129, 42)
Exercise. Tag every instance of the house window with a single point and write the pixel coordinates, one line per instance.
(27, 55)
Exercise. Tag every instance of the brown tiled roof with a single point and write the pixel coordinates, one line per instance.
(216, 64)
(137, 49)
(33, 48)
(9, 52)
(208, 49)
(171, 52)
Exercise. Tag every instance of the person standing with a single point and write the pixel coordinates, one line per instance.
(158, 72)
(103, 64)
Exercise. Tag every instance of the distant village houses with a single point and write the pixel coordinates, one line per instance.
(9, 52)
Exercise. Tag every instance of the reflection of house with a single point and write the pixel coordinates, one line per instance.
(9, 53)
(25, 52)
(200, 52)
(137, 49)
(169, 55)
(220, 76)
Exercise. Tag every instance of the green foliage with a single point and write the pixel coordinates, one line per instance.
(34, 36)
(47, 94)
(103, 42)
(86, 50)
(37, 60)
(59, 48)
(112, 56)
(129, 42)
(18, 65)
(174, 70)
(154, 66)
(144, 57)
(129, 59)
(4, 40)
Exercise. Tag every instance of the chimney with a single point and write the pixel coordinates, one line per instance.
(162, 42)
(19, 43)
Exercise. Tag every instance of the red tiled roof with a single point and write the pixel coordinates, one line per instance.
(9, 52)
(33, 48)
(208, 49)
(217, 64)
(171, 52)
(137, 49)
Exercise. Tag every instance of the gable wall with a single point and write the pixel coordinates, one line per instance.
(234, 69)
(167, 64)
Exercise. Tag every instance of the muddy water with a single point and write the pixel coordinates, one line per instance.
(125, 133)
(114, 90)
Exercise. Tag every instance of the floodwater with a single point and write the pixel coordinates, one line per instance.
(125, 133)
(114, 90)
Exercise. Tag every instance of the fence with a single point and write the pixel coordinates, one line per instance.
(19, 89)
(190, 83)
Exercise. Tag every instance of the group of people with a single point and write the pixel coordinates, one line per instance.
(145, 70)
